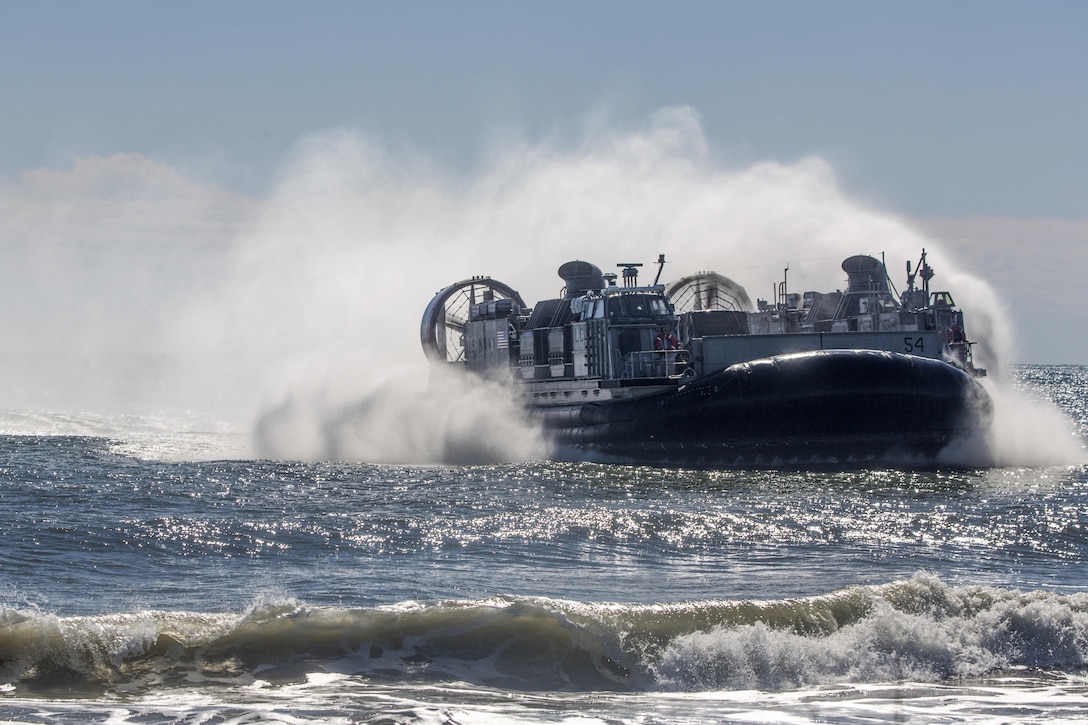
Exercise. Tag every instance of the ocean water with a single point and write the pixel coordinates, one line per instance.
(151, 572)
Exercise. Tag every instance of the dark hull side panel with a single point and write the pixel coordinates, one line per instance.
(840, 405)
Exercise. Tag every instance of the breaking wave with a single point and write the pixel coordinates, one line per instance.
(919, 629)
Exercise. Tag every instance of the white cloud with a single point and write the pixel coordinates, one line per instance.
(92, 260)
(126, 198)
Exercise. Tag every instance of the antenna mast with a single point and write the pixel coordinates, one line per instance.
(660, 267)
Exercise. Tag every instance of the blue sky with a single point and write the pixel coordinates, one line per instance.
(964, 120)
(934, 108)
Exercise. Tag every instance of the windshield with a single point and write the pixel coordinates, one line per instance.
(638, 305)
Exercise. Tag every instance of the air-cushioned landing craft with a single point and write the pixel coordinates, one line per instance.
(693, 374)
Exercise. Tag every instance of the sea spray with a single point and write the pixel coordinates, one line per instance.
(643, 192)
(345, 203)
(1025, 432)
(244, 298)
(416, 415)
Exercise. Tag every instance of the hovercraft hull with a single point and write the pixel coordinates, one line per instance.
(832, 406)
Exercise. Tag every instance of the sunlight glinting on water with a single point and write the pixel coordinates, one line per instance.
(227, 588)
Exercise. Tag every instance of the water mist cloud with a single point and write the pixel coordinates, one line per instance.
(394, 419)
(356, 238)
(308, 317)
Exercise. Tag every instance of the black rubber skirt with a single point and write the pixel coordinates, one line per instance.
(833, 405)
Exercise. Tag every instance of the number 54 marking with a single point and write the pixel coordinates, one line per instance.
(914, 345)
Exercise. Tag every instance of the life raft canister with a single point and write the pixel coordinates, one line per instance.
(666, 341)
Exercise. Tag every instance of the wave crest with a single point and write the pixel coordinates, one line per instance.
(919, 629)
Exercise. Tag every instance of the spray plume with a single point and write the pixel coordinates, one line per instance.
(311, 313)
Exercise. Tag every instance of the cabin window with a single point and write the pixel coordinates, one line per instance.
(636, 305)
(659, 306)
(943, 299)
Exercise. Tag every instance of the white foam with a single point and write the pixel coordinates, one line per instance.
(920, 630)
